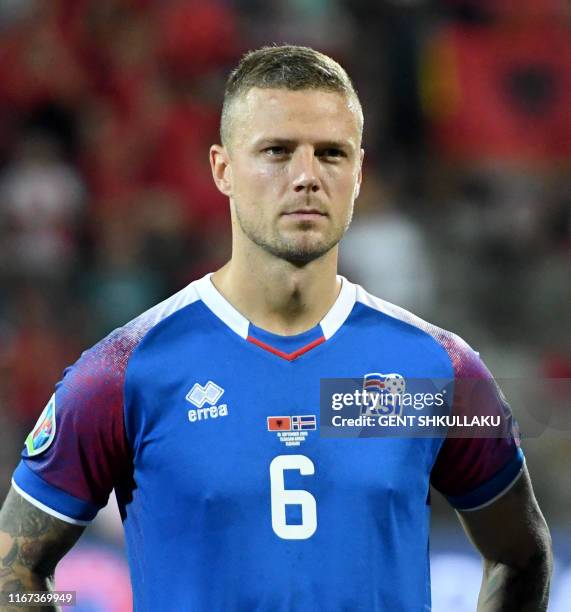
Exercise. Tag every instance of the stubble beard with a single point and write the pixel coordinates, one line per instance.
(301, 248)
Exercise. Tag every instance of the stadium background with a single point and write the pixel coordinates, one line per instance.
(107, 109)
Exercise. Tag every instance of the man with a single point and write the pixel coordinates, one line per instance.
(202, 412)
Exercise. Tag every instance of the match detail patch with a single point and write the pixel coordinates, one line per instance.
(41, 437)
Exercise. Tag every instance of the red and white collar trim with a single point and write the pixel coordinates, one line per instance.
(222, 308)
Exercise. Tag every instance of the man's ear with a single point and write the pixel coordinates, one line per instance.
(221, 169)
(359, 176)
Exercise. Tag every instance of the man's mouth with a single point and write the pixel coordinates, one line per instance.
(305, 213)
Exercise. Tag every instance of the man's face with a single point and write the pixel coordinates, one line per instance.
(294, 170)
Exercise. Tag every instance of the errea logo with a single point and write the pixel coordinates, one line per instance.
(200, 395)
(209, 394)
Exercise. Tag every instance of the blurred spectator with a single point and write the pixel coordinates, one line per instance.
(120, 286)
(326, 25)
(43, 343)
(181, 163)
(41, 198)
(38, 62)
(197, 36)
(386, 251)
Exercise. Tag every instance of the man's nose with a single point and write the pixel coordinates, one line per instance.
(305, 170)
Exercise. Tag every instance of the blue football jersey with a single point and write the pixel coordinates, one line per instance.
(208, 429)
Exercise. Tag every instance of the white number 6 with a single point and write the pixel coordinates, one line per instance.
(282, 497)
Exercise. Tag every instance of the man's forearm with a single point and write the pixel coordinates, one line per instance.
(16, 578)
(15, 583)
(509, 589)
(31, 544)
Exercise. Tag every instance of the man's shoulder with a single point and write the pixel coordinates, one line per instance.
(92, 389)
(399, 315)
(408, 323)
(111, 353)
(159, 314)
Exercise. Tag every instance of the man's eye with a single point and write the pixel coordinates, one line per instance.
(332, 152)
(273, 151)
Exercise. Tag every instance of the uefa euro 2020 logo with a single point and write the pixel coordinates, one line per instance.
(382, 394)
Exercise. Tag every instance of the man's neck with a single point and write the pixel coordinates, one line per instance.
(278, 296)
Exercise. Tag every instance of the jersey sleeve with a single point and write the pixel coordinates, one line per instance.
(474, 469)
(78, 451)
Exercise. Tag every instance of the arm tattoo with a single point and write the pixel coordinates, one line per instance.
(21, 519)
(31, 544)
(11, 557)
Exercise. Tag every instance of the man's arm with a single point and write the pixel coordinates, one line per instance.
(31, 544)
(514, 540)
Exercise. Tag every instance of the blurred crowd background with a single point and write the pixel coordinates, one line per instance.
(107, 110)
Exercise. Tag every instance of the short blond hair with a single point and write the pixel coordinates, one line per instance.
(285, 67)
